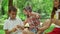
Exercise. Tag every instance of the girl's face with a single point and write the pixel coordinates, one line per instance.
(56, 3)
(25, 12)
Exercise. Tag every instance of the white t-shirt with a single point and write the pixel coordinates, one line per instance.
(10, 24)
(57, 13)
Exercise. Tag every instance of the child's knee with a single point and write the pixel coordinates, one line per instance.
(40, 32)
(24, 32)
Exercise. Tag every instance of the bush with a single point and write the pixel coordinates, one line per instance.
(1, 27)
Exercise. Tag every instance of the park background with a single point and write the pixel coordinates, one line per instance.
(43, 7)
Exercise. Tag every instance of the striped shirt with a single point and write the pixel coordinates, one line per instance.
(10, 24)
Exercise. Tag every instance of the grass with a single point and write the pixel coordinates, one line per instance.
(2, 32)
(50, 29)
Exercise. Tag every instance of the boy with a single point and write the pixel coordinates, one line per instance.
(11, 24)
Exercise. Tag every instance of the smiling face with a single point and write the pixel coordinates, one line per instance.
(56, 3)
(25, 12)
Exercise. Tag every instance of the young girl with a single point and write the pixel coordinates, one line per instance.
(32, 19)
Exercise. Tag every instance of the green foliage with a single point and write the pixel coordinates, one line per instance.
(5, 5)
(43, 7)
(2, 32)
(1, 27)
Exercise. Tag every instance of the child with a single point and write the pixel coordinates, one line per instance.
(11, 24)
(32, 19)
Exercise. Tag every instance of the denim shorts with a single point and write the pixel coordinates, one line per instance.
(34, 31)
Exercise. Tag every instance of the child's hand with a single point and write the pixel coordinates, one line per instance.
(20, 27)
(40, 29)
(14, 30)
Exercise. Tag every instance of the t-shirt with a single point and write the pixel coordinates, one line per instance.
(10, 24)
(57, 14)
(33, 21)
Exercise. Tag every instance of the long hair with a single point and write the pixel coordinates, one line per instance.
(59, 8)
(53, 12)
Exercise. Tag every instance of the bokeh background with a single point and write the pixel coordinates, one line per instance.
(43, 7)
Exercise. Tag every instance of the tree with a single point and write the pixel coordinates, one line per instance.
(10, 3)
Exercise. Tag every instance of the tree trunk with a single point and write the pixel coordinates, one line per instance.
(10, 3)
(2, 10)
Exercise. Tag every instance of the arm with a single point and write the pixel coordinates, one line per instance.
(46, 25)
(7, 32)
(20, 25)
(6, 27)
(37, 16)
(25, 21)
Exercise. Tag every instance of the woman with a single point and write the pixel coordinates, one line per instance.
(48, 22)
